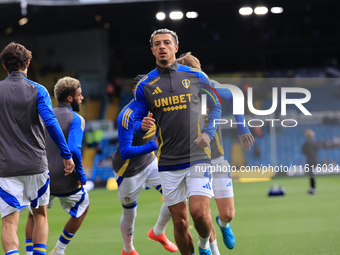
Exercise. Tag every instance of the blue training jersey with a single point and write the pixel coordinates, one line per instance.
(134, 152)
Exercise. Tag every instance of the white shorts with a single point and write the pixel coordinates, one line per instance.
(129, 188)
(74, 204)
(222, 184)
(17, 192)
(180, 184)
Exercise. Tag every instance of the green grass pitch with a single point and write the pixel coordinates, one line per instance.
(294, 224)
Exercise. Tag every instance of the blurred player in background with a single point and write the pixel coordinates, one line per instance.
(222, 183)
(310, 149)
(171, 93)
(135, 165)
(24, 175)
(73, 197)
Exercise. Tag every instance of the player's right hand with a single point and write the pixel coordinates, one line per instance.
(203, 140)
(247, 140)
(69, 166)
(148, 122)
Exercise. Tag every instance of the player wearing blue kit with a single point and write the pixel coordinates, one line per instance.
(73, 197)
(172, 94)
(135, 166)
(222, 183)
(24, 177)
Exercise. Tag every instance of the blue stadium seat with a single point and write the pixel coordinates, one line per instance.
(102, 166)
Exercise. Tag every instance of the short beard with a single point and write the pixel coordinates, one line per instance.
(75, 105)
(164, 61)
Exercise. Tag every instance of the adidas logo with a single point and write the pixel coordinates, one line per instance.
(207, 186)
(230, 184)
(157, 91)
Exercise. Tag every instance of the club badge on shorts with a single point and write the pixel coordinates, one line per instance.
(127, 199)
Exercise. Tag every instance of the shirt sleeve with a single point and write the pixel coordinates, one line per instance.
(226, 94)
(214, 105)
(140, 111)
(75, 139)
(125, 138)
(45, 109)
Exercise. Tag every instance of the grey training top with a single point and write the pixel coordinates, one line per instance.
(72, 126)
(25, 108)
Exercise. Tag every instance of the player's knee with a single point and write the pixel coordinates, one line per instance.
(199, 216)
(228, 215)
(181, 224)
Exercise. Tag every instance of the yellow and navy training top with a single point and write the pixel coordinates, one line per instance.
(173, 96)
(134, 152)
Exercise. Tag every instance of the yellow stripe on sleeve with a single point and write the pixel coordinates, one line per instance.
(143, 79)
(127, 120)
(82, 122)
(125, 117)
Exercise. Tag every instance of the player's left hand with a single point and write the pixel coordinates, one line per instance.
(203, 140)
(246, 140)
(69, 166)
